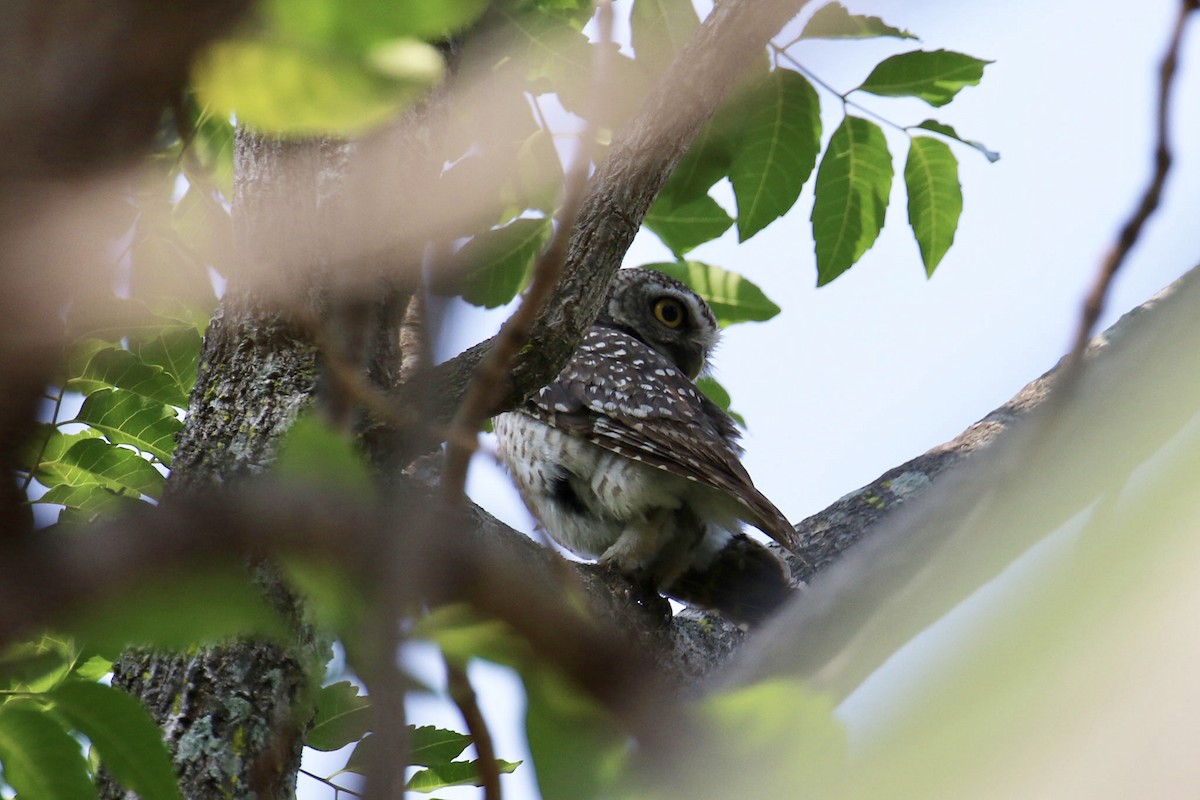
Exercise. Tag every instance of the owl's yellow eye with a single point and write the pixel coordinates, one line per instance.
(669, 312)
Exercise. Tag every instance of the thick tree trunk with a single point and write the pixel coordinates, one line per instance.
(235, 714)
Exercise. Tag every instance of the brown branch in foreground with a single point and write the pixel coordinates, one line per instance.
(463, 695)
(492, 372)
(1130, 232)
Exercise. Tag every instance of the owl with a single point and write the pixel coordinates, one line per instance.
(623, 459)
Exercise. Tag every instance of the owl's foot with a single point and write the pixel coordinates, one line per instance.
(637, 593)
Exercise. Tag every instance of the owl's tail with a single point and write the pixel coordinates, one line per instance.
(743, 582)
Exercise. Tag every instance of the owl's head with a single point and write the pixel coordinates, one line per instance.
(665, 314)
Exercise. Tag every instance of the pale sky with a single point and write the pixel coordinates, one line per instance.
(874, 369)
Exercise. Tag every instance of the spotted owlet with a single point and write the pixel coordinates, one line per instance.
(623, 459)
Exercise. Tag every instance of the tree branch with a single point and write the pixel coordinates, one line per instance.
(623, 188)
(1130, 232)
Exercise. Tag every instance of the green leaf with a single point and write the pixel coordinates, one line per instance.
(37, 665)
(92, 500)
(690, 225)
(432, 746)
(121, 730)
(343, 716)
(94, 461)
(46, 447)
(716, 392)
(126, 418)
(946, 130)
(366, 23)
(777, 150)
(732, 297)
(41, 760)
(783, 728)
(833, 21)
(707, 161)
(659, 29)
(854, 183)
(935, 76)
(454, 773)
(114, 367)
(934, 197)
(316, 454)
(578, 749)
(93, 668)
(462, 635)
(496, 263)
(297, 90)
(176, 610)
(174, 349)
(550, 49)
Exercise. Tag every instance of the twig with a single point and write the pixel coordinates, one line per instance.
(45, 442)
(337, 790)
(463, 695)
(845, 98)
(492, 372)
(1094, 304)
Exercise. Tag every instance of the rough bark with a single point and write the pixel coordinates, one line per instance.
(234, 715)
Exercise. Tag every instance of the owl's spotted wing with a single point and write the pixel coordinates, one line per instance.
(626, 397)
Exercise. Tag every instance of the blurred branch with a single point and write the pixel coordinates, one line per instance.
(942, 525)
(1130, 232)
(488, 381)
(463, 695)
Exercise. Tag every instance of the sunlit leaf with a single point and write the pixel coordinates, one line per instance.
(121, 730)
(854, 183)
(92, 499)
(362, 24)
(36, 665)
(94, 461)
(686, 226)
(114, 367)
(833, 21)
(430, 747)
(777, 150)
(43, 451)
(126, 418)
(343, 716)
(93, 668)
(455, 773)
(946, 130)
(495, 264)
(175, 349)
(934, 76)
(934, 197)
(732, 297)
(293, 90)
(41, 760)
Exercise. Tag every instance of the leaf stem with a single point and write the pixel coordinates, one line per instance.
(845, 98)
(45, 442)
(337, 790)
